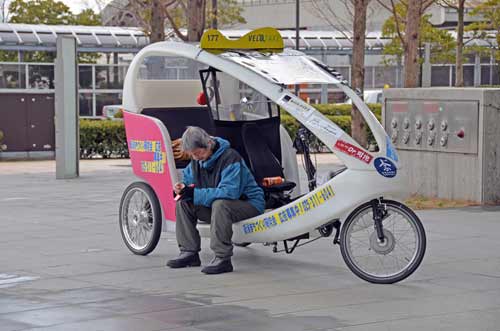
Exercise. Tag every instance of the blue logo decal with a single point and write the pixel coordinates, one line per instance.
(391, 152)
(385, 167)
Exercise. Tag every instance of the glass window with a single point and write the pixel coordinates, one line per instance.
(369, 77)
(485, 75)
(385, 75)
(12, 76)
(156, 67)
(494, 75)
(489, 75)
(85, 101)
(110, 76)
(85, 77)
(41, 76)
(104, 99)
(440, 76)
(468, 75)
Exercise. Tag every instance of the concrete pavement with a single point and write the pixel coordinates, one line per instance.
(63, 266)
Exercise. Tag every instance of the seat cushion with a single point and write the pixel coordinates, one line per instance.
(285, 186)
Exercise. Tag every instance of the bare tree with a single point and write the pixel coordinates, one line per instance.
(151, 15)
(4, 5)
(459, 6)
(410, 40)
(354, 21)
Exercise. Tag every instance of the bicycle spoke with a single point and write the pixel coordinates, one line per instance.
(382, 263)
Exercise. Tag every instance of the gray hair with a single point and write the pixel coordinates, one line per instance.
(195, 137)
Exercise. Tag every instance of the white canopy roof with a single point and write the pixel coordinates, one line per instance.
(289, 67)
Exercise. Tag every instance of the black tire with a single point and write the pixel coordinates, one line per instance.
(241, 244)
(146, 214)
(382, 252)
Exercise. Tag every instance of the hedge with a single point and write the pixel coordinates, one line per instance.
(105, 138)
(345, 109)
(340, 114)
(102, 138)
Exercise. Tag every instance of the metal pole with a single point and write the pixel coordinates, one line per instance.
(67, 112)
(427, 66)
(324, 87)
(477, 70)
(297, 28)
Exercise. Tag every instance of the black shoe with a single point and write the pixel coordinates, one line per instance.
(185, 259)
(218, 266)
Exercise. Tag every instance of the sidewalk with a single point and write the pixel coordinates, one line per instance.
(63, 266)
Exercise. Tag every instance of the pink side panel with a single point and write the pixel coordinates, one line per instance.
(148, 156)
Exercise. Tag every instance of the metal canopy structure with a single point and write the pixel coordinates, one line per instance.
(30, 37)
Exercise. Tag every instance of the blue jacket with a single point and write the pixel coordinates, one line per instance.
(223, 176)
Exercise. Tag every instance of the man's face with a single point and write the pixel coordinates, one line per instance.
(201, 154)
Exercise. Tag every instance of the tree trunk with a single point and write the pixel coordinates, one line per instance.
(195, 19)
(412, 37)
(157, 21)
(459, 70)
(214, 14)
(358, 126)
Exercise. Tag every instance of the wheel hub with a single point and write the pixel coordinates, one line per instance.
(384, 247)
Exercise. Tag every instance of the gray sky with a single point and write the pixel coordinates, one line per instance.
(78, 5)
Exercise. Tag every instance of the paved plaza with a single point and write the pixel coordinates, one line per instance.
(63, 266)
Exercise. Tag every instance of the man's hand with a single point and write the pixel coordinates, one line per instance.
(187, 192)
(178, 187)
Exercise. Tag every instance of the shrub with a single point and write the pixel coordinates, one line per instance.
(345, 109)
(340, 114)
(102, 138)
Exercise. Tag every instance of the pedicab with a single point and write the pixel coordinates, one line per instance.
(244, 88)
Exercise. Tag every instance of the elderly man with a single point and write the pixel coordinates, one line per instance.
(217, 188)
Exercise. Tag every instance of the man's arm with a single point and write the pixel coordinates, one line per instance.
(187, 174)
(229, 187)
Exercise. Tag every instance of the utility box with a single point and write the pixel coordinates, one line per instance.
(448, 140)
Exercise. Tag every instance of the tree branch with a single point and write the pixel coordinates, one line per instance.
(174, 26)
(326, 12)
(426, 4)
(396, 21)
(448, 3)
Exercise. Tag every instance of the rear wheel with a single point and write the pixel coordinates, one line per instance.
(388, 261)
(140, 218)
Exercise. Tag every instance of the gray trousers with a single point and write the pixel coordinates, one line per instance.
(221, 217)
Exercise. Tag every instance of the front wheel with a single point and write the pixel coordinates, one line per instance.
(140, 218)
(388, 261)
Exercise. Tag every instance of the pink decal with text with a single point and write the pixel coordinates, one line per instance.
(148, 156)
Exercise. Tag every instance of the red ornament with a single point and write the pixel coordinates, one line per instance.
(201, 99)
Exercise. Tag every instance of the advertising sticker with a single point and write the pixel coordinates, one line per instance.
(385, 167)
(353, 151)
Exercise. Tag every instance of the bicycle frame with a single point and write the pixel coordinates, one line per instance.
(369, 175)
